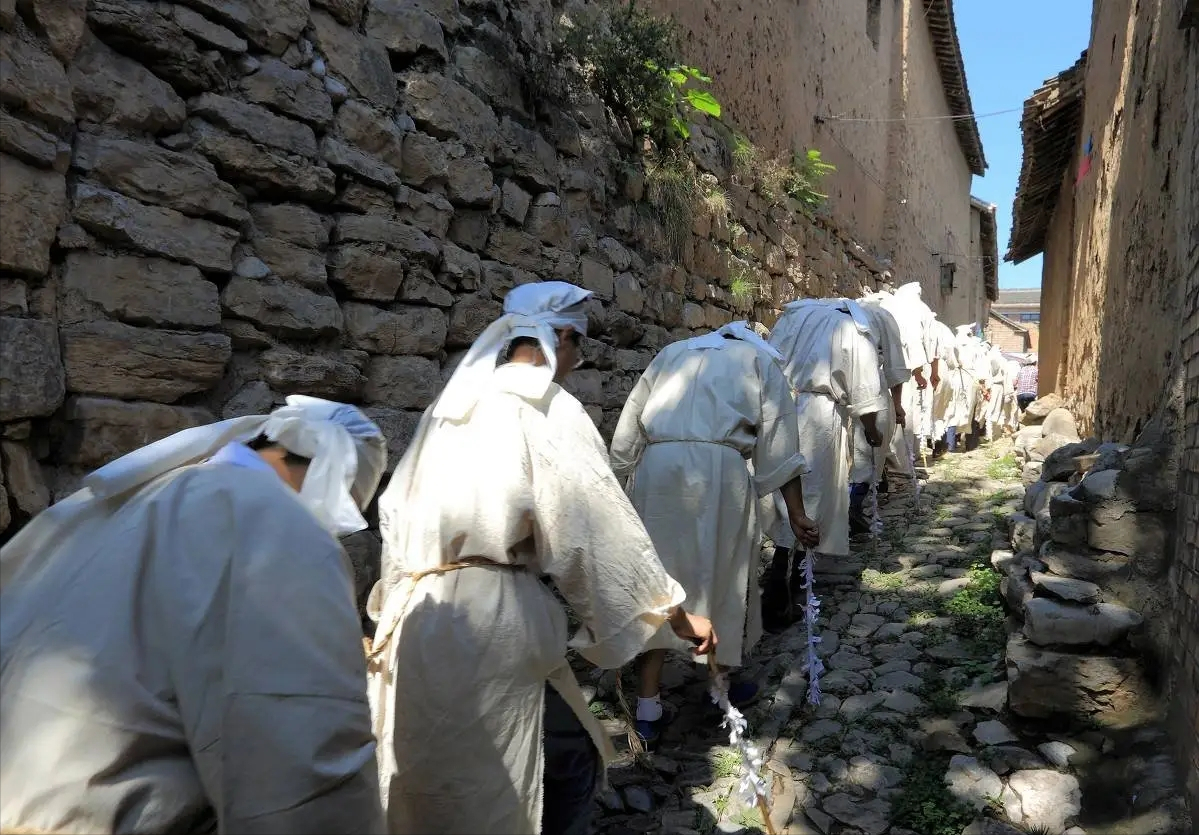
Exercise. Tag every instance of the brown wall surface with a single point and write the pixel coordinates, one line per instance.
(202, 214)
(1185, 572)
(1120, 318)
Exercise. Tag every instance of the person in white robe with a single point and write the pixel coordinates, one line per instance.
(180, 649)
(996, 392)
(1011, 405)
(703, 408)
(973, 368)
(506, 481)
(915, 320)
(832, 365)
(948, 393)
(868, 461)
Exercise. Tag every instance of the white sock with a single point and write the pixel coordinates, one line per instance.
(649, 710)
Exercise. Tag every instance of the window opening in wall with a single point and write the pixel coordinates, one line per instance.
(948, 268)
(874, 11)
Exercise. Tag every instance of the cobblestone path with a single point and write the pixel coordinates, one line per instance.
(911, 735)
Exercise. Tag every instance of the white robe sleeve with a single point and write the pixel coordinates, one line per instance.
(777, 459)
(591, 542)
(269, 669)
(629, 439)
(857, 367)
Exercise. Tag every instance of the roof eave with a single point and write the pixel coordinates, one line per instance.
(947, 49)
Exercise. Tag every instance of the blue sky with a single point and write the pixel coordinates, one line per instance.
(1006, 59)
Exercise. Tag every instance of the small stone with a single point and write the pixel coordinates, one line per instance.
(993, 733)
(638, 799)
(989, 697)
(871, 817)
(1057, 753)
(855, 707)
(903, 702)
(951, 587)
(971, 782)
(252, 267)
(1048, 622)
(821, 729)
(864, 625)
(898, 680)
(1046, 799)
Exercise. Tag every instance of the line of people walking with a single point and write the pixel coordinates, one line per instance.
(180, 649)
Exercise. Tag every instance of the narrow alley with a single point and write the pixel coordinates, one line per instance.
(912, 734)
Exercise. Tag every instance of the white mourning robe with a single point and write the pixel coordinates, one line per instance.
(996, 382)
(693, 420)
(1011, 406)
(947, 396)
(833, 370)
(974, 367)
(884, 330)
(188, 649)
(460, 660)
(915, 320)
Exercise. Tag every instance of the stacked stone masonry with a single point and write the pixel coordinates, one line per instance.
(211, 204)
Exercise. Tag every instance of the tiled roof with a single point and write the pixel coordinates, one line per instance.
(1021, 298)
(939, 17)
(1050, 125)
(1011, 323)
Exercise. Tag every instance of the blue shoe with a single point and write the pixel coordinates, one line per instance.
(649, 732)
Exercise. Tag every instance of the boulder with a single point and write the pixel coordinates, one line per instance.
(273, 172)
(397, 331)
(1040, 408)
(1119, 529)
(1023, 532)
(1042, 449)
(270, 25)
(444, 108)
(30, 143)
(398, 427)
(35, 201)
(32, 379)
(290, 222)
(34, 81)
(149, 31)
(1050, 622)
(1060, 422)
(1069, 520)
(971, 782)
(110, 89)
(139, 291)
(1042, 799)
(1065, 588)
(403, 382)
(1095, 567)
(292, 92)
(150, 173)
(282, 308)
(372, 132)
(405, 29)
(255, 123)
(23, 478)
(1060, 464)
(365, 274)
(115, 360)
(152, 229)
(62, 22)
(336, 375)
(362, 61)
(100, 430)
(1046, 683)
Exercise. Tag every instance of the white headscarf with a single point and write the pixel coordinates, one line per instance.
(737, 330)
(347, 454)
(860, 319)
(912, 288)
(531, 310)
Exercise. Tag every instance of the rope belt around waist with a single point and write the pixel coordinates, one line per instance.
(693, 441)
(416, 576)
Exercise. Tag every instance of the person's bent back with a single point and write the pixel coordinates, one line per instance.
(182, 652)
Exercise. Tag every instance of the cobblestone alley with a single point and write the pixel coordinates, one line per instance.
(911, 736)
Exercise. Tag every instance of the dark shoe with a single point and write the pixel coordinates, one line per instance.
(776, 597)
(742, 694)
(650, 733)
(859, 525)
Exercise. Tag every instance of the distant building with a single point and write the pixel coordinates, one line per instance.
(1011, 336)
(1021, 306)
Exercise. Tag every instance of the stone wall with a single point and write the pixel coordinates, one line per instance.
(835, 77)
(210, 204)
(1124, 284)
(1184, 580)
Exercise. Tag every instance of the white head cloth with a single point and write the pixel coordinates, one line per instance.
(531, 310)
(860, 319)
(346, 449)
(912, 288)
(737, 330)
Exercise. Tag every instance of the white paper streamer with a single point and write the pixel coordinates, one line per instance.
(751, 788)
(813, 666)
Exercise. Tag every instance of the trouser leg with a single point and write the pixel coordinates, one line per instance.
(776, 593)
(571, 770)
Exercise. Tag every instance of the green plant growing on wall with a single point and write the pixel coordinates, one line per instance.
(745, 159)
(744, 286)
(802, 184)
(716, 201)
(630, 59)
(675, 192)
